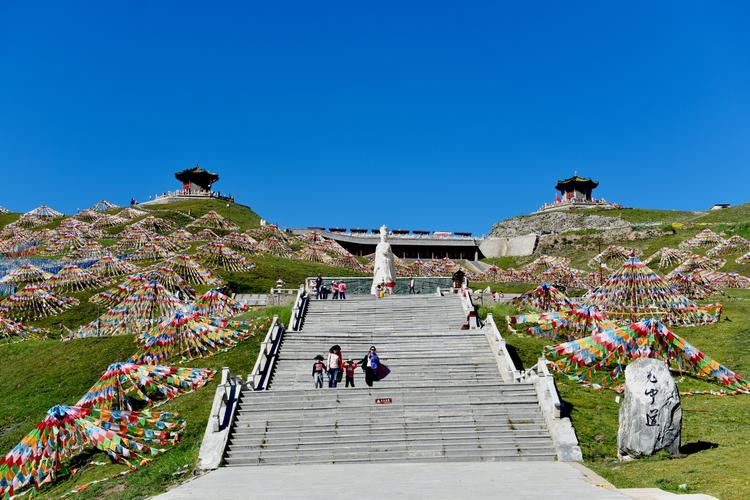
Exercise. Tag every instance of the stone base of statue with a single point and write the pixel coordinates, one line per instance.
(650, 413)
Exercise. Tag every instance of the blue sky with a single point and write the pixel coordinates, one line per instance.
(434, 115)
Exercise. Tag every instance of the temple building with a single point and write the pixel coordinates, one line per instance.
(576, 188)
(196, 180)
(576, 192)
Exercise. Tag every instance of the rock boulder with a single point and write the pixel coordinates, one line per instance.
(650, 414)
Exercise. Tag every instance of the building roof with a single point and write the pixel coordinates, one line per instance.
(197, 175)
(576, 181)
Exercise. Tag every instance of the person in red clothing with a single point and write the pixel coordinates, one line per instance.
(349, 368)
(342, 290)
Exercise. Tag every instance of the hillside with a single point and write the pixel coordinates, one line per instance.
(37, 374)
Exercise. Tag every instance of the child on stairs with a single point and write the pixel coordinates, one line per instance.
(317, 371)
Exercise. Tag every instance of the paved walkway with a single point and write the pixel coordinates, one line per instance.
(395, 481)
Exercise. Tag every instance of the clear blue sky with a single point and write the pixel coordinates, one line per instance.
(363, 113)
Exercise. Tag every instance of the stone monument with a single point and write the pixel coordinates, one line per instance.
(383, 269)
(650, 414)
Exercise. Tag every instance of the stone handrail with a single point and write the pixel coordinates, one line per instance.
(560, 428)
(468, 305)
(223, 413)
(505, 362)
(299, 309)
(269, 348)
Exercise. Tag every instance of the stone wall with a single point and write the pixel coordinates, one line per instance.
(554, 223)
(517, 246)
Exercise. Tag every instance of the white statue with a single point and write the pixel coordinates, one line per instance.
(384, 271)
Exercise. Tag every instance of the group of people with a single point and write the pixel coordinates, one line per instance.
(337, 369)
(337, 289)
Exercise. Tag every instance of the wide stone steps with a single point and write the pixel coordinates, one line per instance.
(443, 400)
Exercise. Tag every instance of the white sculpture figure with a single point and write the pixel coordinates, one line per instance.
(384, 271)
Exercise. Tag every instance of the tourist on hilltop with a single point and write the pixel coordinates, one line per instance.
(390, 286)
(349, 368)
(334, 366)
(378, 295)
(318, 286)
(334, 290)
(317, 371)
(411, 286)
(342, 290)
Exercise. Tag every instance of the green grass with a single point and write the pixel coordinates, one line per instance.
(6, 219)
(269, 268)
(641, 215)
(241, 215)
(722, 421)
(740, 213)
(35, 376)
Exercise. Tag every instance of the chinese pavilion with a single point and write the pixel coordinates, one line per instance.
(196, 180)
(576, 188)
(575, 192)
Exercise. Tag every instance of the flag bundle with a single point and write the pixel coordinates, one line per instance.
(636, 292)
(12, 331)
(214, 304)
(129, 437)
(109, 267)
(74, 279)
(34, 302)
(219, 255)
(545, 297)
(125, 383)
(188, 335)
(601, 358)
(192, 271)
(566, 323)
(146, 306)
(213, 220)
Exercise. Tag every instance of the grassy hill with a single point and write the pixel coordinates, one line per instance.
(642, 215)
(715, 429)
(36, 375)
(184, 211)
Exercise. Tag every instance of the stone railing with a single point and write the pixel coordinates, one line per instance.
(298, 309)
(468, 306)
(228, 393)
(361, 285)
(281, 296)
(220, 421)
(260, 376)
(559, 426)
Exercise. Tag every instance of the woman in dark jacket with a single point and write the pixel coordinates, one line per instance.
(370, 365)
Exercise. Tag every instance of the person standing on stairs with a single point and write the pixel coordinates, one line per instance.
(334, 366)
(370, 365)
(342, 290)
(349, 367)
(334, 290)
(318, 286)
(317, 371)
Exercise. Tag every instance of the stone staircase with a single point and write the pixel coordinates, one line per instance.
(443, 401)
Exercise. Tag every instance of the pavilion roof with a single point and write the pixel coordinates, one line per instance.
(576, 181)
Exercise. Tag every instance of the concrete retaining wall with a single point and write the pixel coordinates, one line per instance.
(516, 246)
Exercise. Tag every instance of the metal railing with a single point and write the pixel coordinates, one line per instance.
(269, 349)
